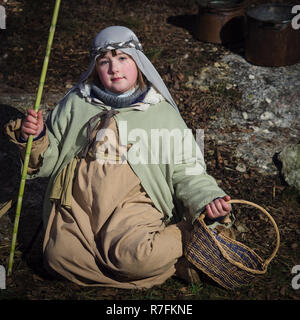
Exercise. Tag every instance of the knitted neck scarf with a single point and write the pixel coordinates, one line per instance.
(116, 101)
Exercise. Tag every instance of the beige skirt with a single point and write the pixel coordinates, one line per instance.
(133, 249)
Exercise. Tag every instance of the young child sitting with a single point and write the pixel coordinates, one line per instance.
(121, 202)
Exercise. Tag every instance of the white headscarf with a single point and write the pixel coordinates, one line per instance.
(122, 38)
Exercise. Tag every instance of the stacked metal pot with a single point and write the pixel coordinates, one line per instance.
(267, 31)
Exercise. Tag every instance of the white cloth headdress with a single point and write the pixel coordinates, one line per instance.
(123, 39)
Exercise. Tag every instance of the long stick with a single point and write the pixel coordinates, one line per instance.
(30, 139)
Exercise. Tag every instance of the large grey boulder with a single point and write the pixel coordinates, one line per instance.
(290, 158)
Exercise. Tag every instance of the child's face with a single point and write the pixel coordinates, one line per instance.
(118, 73)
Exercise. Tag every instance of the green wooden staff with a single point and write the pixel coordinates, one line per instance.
(30, 139)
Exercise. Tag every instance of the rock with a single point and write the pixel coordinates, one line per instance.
(245, 115)
(266, 119)
(229, 86)
(290, 158)
(241, 167)
(268, 100)
(204, 88)
(267, 115)
(241, 227)
(68, 84)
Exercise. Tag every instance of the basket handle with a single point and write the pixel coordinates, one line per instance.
(272, 221)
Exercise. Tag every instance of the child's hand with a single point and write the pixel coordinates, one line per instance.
(218, 208)
(33, 124)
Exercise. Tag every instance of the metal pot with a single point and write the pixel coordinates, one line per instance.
(270, 39)
(220, 21)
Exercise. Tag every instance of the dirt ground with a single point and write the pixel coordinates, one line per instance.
(165, 28)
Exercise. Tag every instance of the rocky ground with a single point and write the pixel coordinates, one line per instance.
(248, 113)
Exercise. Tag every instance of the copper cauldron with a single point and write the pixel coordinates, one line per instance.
(220, 21)
(270, 38)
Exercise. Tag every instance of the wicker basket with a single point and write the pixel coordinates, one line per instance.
(228, 262)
